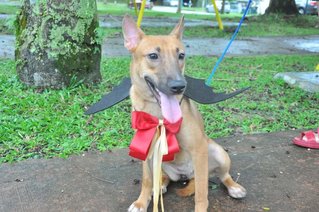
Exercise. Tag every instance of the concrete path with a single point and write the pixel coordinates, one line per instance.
(113, 47)
(278, 176)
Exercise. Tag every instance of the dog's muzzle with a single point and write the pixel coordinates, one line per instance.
(174, 87)
(177, 86)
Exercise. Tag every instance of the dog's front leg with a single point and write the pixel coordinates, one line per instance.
(143, 200)
(200, 162)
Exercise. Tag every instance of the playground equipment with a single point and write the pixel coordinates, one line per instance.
(218, 18)
(140, 13)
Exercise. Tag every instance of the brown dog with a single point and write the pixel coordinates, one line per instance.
(158, 84)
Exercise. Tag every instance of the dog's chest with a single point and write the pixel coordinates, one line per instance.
(176, 171)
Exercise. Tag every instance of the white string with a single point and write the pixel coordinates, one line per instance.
(157, 150)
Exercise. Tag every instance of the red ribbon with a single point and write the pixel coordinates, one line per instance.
(146, 126)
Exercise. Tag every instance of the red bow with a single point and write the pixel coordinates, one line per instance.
(146, 126)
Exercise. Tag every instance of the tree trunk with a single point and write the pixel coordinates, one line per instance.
(287, 7)
(223, 7)
(57, 43)
(179, 6)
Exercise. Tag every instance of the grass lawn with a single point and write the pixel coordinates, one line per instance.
(274, 25)
(37, 123)
(8, 9)
(47, 123)
(256, 26)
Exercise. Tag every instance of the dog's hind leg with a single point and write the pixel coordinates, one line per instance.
(234, 189)
(143, 200)
(188, 190)
(219, 162)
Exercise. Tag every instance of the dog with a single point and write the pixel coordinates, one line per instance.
(157, 77)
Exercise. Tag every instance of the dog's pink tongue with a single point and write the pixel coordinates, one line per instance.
(170, 108)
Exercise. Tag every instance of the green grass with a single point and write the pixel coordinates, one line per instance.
(8, 9)
(37, 123)
(258, 26)
(7, 26)
(274, 25)
(121, 9)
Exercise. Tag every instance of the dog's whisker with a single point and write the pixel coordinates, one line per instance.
(238, 176)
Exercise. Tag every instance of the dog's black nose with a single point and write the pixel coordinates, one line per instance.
(177, 86)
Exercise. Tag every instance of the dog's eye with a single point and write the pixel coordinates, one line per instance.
(181, 56)
(153, 56)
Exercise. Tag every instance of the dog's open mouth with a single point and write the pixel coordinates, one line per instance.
(153, 89)
(169, 104)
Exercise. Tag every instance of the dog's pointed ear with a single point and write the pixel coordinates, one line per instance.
(132, 34)
(179, 28)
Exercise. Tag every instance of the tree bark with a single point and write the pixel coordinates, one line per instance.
(57, 43)
(222, 11)
(179, 6)
(287, 7)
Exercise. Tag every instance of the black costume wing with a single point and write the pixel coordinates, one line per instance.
(196, 90)
(118, 94)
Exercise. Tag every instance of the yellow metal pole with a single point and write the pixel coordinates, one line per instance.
(219, 20)
(141, 13)
(135, 7)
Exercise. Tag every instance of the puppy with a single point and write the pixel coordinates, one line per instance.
(156, 70)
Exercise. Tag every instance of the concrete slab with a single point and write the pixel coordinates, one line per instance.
(113, 47)
(308, 81)
(278, 176)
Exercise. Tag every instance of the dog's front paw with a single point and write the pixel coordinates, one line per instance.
(164, 189)
(201, 207)
(136, 207)
(237, 191)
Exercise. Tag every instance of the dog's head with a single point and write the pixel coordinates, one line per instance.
(157, 61)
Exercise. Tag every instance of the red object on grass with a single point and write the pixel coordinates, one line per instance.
(146, 126)
(308, 139)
